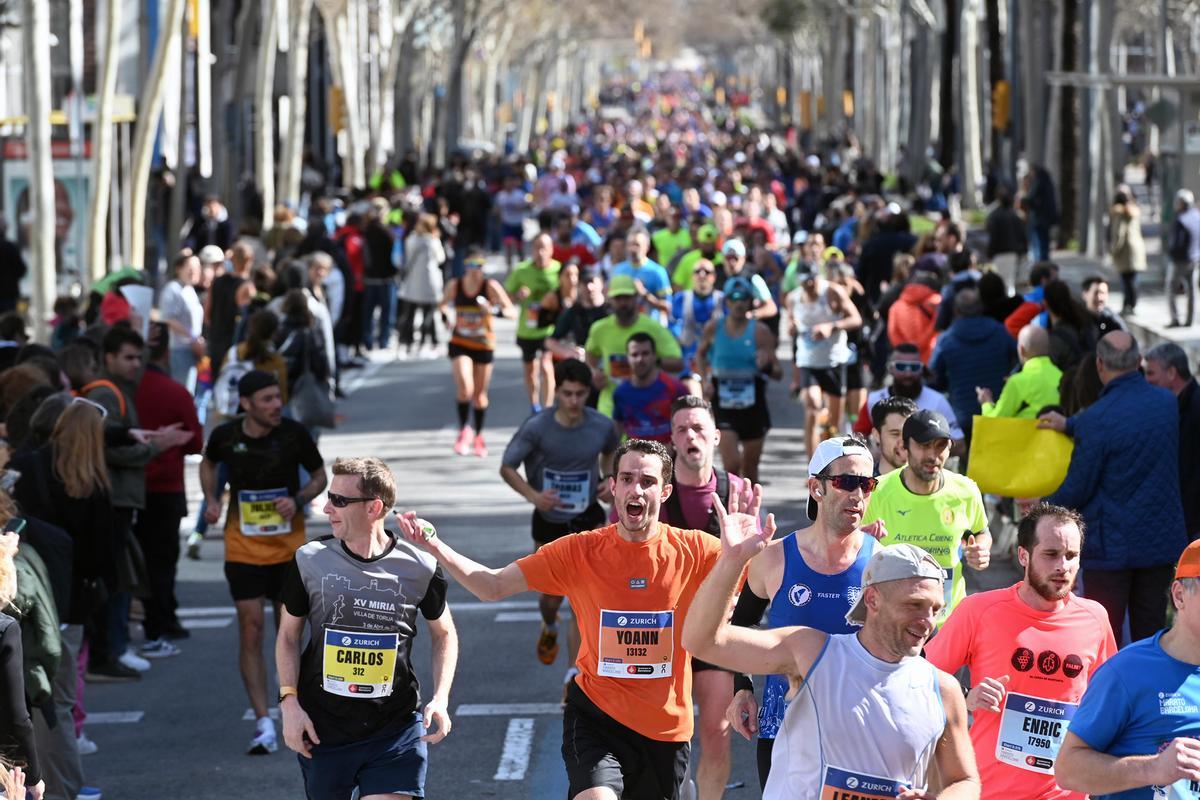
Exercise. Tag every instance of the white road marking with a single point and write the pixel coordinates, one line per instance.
(249, 715)
(507, 709)
(210, 622)
(207, 611)
(519, 616)
(503, 605)
(114, 717)
(364, 374)
(514, 758)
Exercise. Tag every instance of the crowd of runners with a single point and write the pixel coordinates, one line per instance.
(672, 270)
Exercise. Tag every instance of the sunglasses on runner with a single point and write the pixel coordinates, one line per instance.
(703, 272)
(908, 366)
(848, 483)
(84, 401)
(341, 501)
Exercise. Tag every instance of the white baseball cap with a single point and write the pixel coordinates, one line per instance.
(829, 451)
(895, 562)
(211, 254)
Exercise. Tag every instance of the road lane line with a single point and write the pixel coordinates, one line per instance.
(206, 611)
(519, 616)
(210, 622)
(114, 717)
(507, 709)
(514, 758)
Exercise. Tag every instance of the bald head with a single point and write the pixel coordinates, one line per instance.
(1116, 354)
(1033, 341)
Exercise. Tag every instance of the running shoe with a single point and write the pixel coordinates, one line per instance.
(463, 445)
(193, 545)
(134, 661)
(264, 741)
(159, 648)
(480, 446)
(85, 746)
(89, 793)
(547, 646)
(112, 672)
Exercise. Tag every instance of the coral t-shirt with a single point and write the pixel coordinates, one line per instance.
(630, 600)
(1049, 657)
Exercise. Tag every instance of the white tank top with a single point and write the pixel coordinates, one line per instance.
(831, 351)
(858, 727)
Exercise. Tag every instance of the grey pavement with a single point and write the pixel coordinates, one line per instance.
(191, 737)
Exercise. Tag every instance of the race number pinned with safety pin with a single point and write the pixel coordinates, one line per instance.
(843, 784)
(257, 513)
(1032, 731)
(636, 644)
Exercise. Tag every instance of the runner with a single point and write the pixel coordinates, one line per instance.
(472, 347)
(942, 512)
(735, 357)
(887, 431)
(1136, 734)
(869, 717)
(573, 324)
(642, 402)
(692, 309)
(349, 703)
(1031, 649)
(706, 249)
(566, 450)
(819, 315)
(606, 341)
(262, 452)
(513, 205)
(651, 280)
(528, 284)
(810, 577)
(908, 380)
(628, 715)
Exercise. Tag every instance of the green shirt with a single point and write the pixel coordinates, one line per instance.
(667, 244)
(1028, 391)
(540, 282)
(938, 523)
(682, 276)
(606, 342)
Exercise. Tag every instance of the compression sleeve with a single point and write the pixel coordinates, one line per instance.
(747, 613)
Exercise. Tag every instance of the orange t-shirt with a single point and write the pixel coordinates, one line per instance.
(630, 600)
(1049, 657)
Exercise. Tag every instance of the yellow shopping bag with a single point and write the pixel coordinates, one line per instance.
(1015, 458)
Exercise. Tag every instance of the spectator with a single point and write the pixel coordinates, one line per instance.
(179, 307)
(1095, 299)
(16, 728)
(229, 293)
(67, 322)
(1183, 256)
(211, 226)
(258, 349)
(1040, 204)
(1032, 388)
(1005, 229)
(997, 302)
(421, 287)
(1167, 367)
(963, 275)
(349, 329)
(911, 318)
(300, 341)
(12, 270)
(1127, 248)
(975, 352)
(380, 280)
(1072, 334)
(1033, 308)
(1124, 479)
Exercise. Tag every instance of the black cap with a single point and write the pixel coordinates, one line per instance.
(255, 381)
(925, 426)
(587, 273)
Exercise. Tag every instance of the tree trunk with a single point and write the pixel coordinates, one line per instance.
(36, 40)
(995, 51)
(149, 111)
(102, 144)
(1068, 178)
(948, 134)
(342, 66)
(292, 156)
(264, 111)
(971, 169)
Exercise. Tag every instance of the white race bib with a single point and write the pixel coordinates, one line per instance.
(838, 783)
(359, 664)
(574, 489)
(735, 393)
(636, 644)
(1032, 731)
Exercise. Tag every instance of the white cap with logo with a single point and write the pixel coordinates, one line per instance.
(895, 562)
(829, 451)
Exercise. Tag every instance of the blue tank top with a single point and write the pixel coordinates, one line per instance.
(733, 356)
(808, 598)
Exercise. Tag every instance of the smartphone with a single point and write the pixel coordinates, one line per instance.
(15, 525)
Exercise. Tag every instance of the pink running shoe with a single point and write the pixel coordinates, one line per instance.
(463, 445)
(480, 447)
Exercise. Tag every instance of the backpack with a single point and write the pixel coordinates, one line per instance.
(107, 384)
(675, 509)
(1180, 246)
(225, 389)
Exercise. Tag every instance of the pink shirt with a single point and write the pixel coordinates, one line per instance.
(1048, 655)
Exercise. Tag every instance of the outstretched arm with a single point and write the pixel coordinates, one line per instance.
(485, 583)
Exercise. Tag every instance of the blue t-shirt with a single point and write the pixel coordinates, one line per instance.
(645, 413)
(654, 277)
(1135, 704)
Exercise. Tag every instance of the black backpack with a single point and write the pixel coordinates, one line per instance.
(675, 508)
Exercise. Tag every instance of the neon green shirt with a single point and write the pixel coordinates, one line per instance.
(1028, 391)
(667, 244)
(540, 282)
(682, 275)
(937, 523)
(606, 342)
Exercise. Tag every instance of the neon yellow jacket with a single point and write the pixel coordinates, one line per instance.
(1028, 391)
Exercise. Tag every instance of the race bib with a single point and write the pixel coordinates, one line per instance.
(470, 323)
(359, 664)
(574, 489)
(256, 510)
(1032, 731)
(734, 393)
(636, 644)
(531, 314)
(618, 367)
(842, 784)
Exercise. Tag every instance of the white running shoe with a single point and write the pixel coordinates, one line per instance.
(159, 648)
(264, 741)
(85, 745)
(133, 661)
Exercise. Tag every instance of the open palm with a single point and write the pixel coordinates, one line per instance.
(740, 536)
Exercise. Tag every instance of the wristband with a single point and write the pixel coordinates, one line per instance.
(287, 691)
(742, 681)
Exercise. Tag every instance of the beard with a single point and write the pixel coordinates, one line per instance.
(909, 389)
(1042, 585)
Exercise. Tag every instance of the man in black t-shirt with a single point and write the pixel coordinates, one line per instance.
(262, 452)
(350, 702)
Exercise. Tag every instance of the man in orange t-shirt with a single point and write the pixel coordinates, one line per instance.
(1031, 650)
(629, 710)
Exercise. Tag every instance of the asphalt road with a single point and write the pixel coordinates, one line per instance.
(182, 731)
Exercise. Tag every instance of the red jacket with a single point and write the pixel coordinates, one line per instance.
(352, 241)
(161, 401)
(912, 316)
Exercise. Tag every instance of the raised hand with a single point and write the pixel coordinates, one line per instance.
(740, 536)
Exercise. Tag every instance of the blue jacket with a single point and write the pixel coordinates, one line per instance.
(975, 351)
(1124, 476)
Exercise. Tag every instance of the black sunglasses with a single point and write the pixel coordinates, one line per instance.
(908, 366)
(341, 501)
(849, 483)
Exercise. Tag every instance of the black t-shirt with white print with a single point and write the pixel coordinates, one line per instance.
(356, 676)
